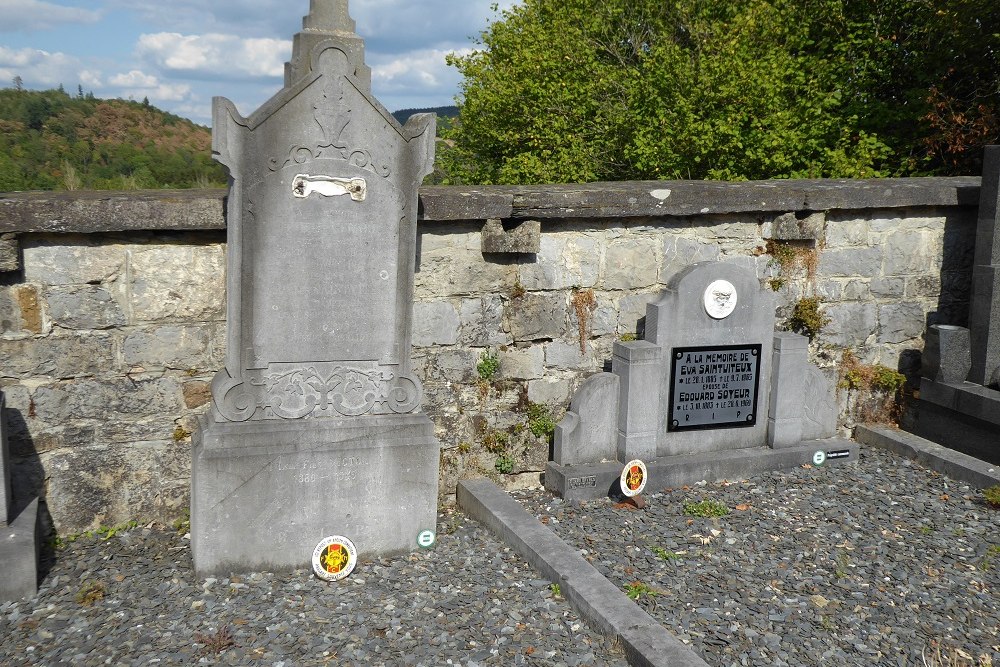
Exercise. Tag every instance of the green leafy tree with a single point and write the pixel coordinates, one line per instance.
(585, 90)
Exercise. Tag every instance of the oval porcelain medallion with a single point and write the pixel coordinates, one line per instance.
(720, 299)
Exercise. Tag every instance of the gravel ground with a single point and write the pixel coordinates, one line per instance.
(134, 600)
(867, 564)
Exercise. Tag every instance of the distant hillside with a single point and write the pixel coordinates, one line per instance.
(443, 113)
(52, 141)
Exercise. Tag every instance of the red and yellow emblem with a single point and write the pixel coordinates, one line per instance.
(633, 479)
(334, 558)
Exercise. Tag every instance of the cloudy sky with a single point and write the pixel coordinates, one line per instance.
(180, 53)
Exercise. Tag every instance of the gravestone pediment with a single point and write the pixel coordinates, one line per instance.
(321, 217)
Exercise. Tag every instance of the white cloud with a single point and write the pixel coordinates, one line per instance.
(32, 15)
(39, 68)
(215, 55)
(136, 84)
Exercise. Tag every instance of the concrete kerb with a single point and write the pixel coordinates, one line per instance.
(602, 605)
(947, 461)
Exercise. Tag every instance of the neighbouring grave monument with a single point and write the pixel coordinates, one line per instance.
(315, 428)
(19, 532)
(959, 404)
(712, 392)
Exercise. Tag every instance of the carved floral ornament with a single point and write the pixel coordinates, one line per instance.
(340, 391)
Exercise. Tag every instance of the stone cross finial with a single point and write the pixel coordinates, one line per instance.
(328, 16)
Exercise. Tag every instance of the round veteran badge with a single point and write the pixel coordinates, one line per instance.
(334, 558)
(633, 479)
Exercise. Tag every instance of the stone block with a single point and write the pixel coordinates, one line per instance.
(589, 431)
(562, 355)
(29, 305)
(83, 307)
(196, 394)
(454, 271)
(892, 287)
(564, 260)
(72, 260)
(523, 363)
(632, 311)
(631, 263)
(548, 391)
(538, 316)
(842, 234)
(910, 252)
(520, 237)
(849, 263)
(95, 399)
(435, 323)
(901, 322)
(10, 255)
(947, 354)
(58, 356)
(172, 346)
(449, 365)
(482, 322)
(804, 226)
(111, 483)
(178, 283)
(263, 497)
(680, 251)
(850, 325)
(928, 287)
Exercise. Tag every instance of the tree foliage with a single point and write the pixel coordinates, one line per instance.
(49, 141)
(586, 90)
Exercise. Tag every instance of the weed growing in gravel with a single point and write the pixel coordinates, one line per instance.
(90, 592)
(638, 590)
(705, 508)
(215, 643)
(986, 564)
(926, 530)
(556, 590)
(666, 555)
(843, 562)
(992, 496)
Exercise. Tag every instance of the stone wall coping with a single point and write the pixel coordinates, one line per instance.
(192, 210)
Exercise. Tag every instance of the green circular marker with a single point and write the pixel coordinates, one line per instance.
(425, 540)
(819, 458)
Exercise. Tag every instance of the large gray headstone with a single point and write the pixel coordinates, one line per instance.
(315, 427)
(984, 315)
(715, 320)
(712, 392)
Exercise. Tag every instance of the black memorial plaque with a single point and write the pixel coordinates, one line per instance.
(714, 387)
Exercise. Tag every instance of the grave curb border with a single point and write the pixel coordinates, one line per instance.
(604, 607)
(947, 461)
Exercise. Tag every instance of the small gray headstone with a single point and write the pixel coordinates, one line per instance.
(316, 427)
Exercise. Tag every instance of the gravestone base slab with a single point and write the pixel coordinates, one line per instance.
(590, 481)
(962, 416)
(19, 547)
(264, 494)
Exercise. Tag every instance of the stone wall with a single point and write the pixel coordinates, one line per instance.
(113, 310)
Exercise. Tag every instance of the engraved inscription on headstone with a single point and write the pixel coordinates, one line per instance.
(714, 387)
